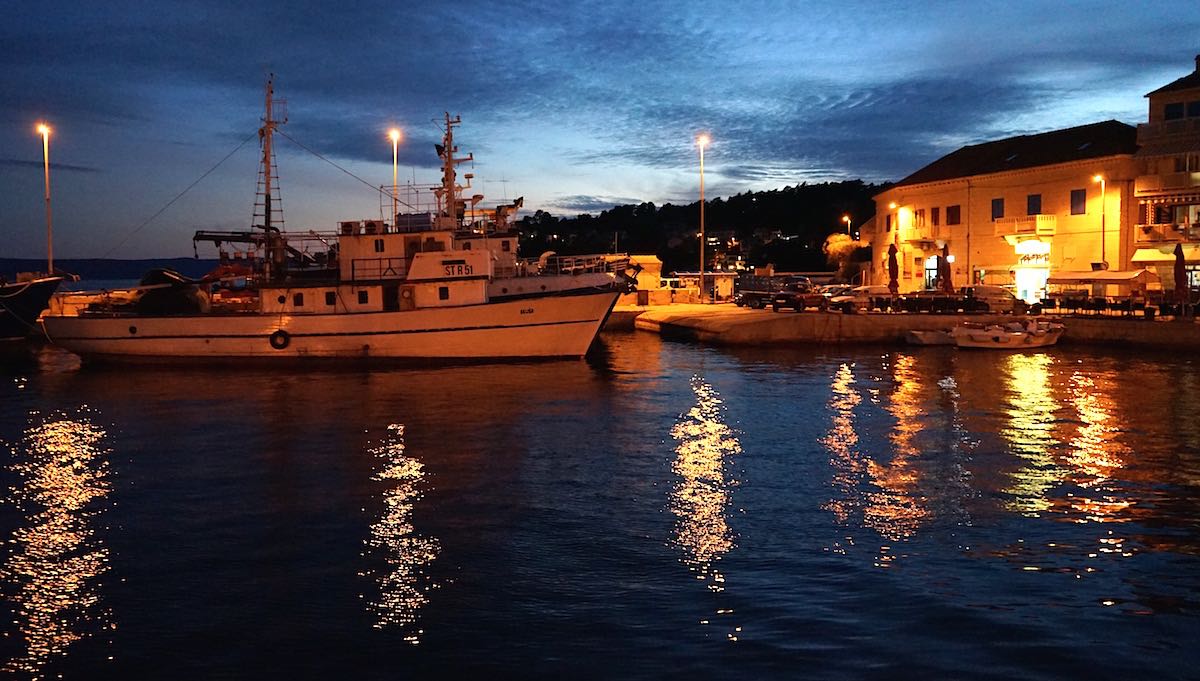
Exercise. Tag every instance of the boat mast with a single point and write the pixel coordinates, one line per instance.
(448, 193)
(276, 248)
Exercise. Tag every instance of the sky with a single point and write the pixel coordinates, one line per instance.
(576, 106)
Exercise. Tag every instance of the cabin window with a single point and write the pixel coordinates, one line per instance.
(466, 245)
(330, 298)
(1078, 201)
(1033, 204)
(443, 293)
(1173, 111)
(379, 245)
(506, 245)
(953, 215)
(362, 298)
(298, 300)
(997, 208)
(935, 216)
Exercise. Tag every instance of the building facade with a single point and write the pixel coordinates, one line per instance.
(1014, 211)
(1167, 187)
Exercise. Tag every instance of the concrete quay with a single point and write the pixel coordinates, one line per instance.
(727, 324)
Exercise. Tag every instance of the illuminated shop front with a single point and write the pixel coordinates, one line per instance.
(1032, 269)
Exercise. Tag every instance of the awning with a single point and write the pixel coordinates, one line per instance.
(1103, 277)
(1166, 254)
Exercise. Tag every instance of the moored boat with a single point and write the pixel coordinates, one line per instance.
(1016, 335)
(446, 282)
(22, 301)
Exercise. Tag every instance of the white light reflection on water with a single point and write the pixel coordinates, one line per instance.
(701, 499)
(403, 584)
(55, 560)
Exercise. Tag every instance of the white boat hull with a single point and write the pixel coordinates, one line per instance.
(1002, 339)
(549, 326)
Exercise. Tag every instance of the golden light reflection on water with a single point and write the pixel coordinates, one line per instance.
(700, 500)
(403, 583)
(896, 508)
(849, 466)
(1030, 411)
(1096, 453)
(51, 574)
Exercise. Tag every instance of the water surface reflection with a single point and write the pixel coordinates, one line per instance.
(56, 557)
(700, 501)
(401, 555)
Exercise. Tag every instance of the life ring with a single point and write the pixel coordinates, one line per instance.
(280, 339)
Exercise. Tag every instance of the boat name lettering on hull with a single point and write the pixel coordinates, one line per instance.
(458, 270)
(527, 310)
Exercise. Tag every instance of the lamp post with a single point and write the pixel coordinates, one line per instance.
(394, 135)
(44, 131)
(846, 219)
(702, 141)
(1103, 252)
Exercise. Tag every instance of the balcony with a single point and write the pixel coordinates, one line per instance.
(1154, 233)
(925, 233)
(1167, 131)
(1145, 184)
(1027, 225)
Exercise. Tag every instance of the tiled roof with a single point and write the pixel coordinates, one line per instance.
(1095, 140)
(1188, 82)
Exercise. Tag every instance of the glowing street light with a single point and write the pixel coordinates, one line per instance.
(702, 141)
(44, 131)
(846, 219)
(394, 135)
(1103, 252)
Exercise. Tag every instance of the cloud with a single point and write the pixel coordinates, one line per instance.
(583, 203)
(12, 162)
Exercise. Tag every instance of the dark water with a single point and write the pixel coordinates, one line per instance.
(661, 510)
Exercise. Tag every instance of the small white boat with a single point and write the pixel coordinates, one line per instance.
(1015, 335)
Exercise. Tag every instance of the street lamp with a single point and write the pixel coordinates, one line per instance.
(702, 141)
(1103, 252)
(846, 219)
(394, 135)
(44, 131)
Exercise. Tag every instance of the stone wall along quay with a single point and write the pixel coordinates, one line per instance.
(730, 325)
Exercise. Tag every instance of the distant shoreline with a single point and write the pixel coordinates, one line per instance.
(109, 268)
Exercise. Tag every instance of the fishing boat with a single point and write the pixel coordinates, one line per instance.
(1016, 335)
(443, 282)
(22, 301)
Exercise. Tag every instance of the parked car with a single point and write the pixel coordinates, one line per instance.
(985, 298)
(798, 295)
(862, 298)
(934, 300)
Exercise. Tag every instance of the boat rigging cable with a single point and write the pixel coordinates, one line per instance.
(177, 197)
(373, 187)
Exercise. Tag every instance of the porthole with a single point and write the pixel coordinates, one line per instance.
(132, 330)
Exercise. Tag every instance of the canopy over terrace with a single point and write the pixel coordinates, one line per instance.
(1163, 255)
(1126, 277)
